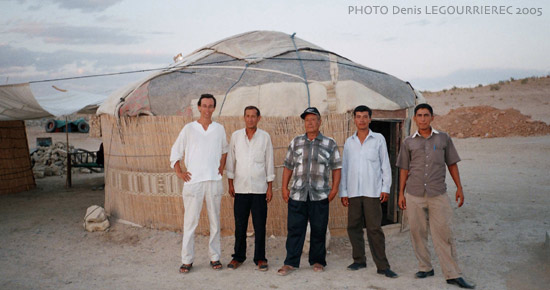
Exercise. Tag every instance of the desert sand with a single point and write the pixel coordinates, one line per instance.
(500, 231)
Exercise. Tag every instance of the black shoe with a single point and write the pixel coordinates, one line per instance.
(357, 266)
(422, 275)
(461, 283)
(388, 273)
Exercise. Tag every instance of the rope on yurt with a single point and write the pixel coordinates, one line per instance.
(227, 92)
(302, 66)
(204, 64)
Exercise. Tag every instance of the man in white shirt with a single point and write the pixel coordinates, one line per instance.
(250, 174)
(205, 146)
(366, 181)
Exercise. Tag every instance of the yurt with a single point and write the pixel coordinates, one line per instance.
(277, 72)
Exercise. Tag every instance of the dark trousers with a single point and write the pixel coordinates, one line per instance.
(366, 211)
(245, 204)
(299, 212)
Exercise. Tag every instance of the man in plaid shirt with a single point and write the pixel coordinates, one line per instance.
(309, 160)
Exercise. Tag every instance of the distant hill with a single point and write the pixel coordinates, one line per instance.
(530, 96)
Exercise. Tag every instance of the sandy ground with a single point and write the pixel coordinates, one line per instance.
(500, 233)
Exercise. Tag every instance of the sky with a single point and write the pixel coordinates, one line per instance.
(428, 42)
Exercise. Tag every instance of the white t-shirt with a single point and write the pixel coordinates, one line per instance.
(250, 162)
(203, 150)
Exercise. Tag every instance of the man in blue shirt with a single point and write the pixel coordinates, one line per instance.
(365, 184)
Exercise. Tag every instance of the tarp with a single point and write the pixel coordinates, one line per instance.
(17, 102)
(265, 69)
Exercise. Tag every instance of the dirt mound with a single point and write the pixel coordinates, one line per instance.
(485, 121)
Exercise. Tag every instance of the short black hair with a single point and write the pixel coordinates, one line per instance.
(207, 96)
(362, 108)
(424, 106)
(252, 108)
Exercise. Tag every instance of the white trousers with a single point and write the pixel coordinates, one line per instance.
(193, 195)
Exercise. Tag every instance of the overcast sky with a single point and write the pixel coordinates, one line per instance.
(63, 38)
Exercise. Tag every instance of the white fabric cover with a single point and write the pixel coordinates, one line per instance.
(66, 103)
(273, 81)
(17, 102)
(254, 46)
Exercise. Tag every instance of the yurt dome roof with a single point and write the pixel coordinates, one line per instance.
(263, 68)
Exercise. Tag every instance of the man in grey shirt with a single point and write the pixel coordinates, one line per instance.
(422, 160)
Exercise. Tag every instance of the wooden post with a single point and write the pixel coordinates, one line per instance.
(69, 182)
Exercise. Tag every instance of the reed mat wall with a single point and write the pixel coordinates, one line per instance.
(143, 189)
(15, 164)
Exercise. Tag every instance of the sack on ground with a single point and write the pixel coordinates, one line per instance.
(95, 219)
(95, 214)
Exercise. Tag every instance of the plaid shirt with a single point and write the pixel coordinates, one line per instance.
(311, 162)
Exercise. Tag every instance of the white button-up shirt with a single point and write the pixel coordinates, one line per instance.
(203, 150)
(366, 167)
(250, 162)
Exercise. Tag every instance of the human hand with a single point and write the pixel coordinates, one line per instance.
(185, 176)
(459, 198)
(332, 194)
(402, 202)
(384, 196)
(231, 190)
(268, 195)
(345, 201)
(286, 194)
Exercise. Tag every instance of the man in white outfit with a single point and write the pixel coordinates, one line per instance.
(205, 146)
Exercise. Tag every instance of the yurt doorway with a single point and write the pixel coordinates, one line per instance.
(391, 129)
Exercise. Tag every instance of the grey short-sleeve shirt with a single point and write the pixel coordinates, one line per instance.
(426, 160)
(311, 162)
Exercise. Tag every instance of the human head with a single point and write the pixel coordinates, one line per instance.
(251, 117)
(206, 96)
(206, 106)
(312, 123)
(252, 108)
(362, 108)
(423, 116)
(362, 117)
(424, 106)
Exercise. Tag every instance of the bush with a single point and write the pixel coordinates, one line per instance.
(494, 87)
(524, 81)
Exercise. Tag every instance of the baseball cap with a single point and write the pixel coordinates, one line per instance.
(310, 110)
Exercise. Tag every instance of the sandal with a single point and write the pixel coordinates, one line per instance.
(262, 265)
(285, 270)
(234, 264)
(318, 267)
(216, 265)
(185, 268)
